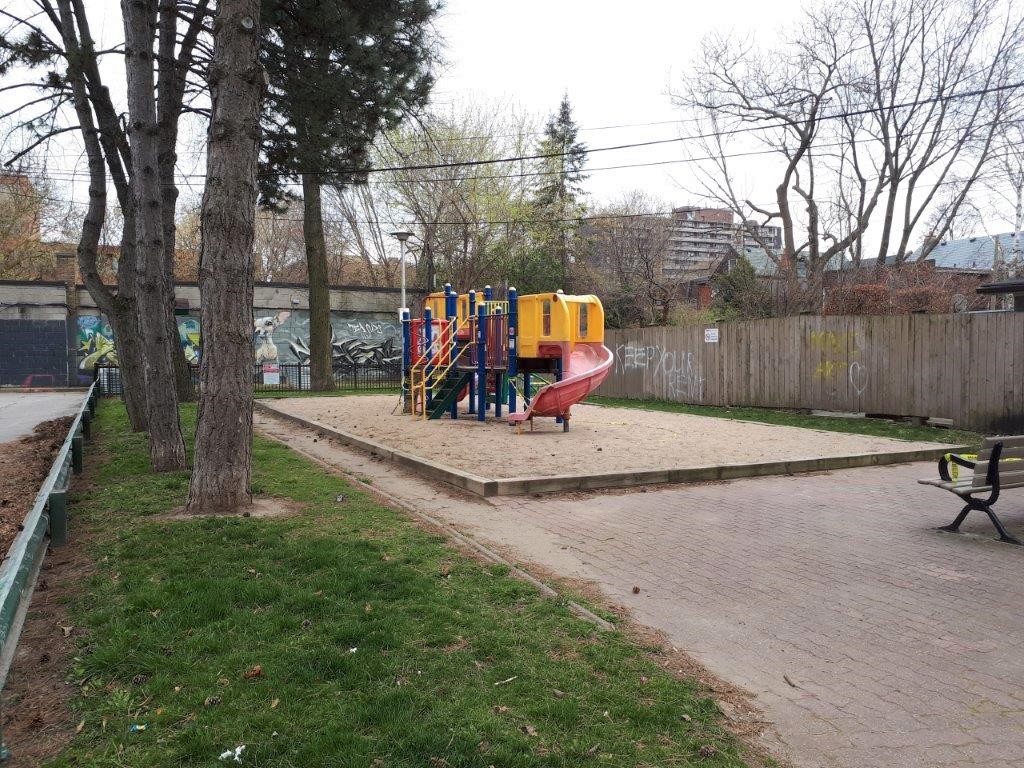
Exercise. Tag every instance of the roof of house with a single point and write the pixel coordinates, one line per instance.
(973, 254)
(765, 266)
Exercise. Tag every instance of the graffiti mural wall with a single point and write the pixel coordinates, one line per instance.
(278, 335)
(356, 340)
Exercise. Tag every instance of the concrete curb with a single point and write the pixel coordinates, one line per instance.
(519, 486)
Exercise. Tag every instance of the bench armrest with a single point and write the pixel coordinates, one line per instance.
(952, 457)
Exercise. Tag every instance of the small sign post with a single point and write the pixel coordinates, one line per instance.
(271, 374)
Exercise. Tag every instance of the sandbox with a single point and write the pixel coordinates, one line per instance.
(605, 447)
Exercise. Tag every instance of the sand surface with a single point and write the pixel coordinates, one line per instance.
(600, 439)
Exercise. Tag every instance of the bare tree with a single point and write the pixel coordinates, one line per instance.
(870, 105)
(937, 74)
(1004, 183)
(626, 261)
(58, 35)
(783, 99)
(467, 220)
(221, 475)
(24, 206)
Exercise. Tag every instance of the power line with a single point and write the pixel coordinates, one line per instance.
(478, 222)
(650, 143)
(183, 177)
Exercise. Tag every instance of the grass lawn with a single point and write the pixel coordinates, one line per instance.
(877, 427)
(342, 636)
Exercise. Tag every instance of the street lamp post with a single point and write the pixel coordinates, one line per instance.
(401, 236)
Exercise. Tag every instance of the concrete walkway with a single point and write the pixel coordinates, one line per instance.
(866, 636)
(21, 411)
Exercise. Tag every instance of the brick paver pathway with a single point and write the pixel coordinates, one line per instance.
(902, 646)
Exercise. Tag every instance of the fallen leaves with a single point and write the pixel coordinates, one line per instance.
(211, 701)
(254, 672)
(274, 703)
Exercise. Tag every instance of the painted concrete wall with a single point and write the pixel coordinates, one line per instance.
(364, 323)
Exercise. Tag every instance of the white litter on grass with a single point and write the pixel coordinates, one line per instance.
(352, 650)
(233, 754)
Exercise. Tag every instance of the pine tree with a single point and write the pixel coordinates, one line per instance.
(340, 72)
(558, 196)
(562, 184)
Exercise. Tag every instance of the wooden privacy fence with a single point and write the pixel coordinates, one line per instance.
(966, 367)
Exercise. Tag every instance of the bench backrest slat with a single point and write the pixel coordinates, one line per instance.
(1011, 473)
(1008, 453)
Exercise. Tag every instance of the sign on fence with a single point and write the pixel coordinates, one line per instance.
(710, 335)
(271, 374)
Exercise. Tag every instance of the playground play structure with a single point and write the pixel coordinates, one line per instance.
(493, 353)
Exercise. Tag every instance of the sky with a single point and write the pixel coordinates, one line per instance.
(617, 62)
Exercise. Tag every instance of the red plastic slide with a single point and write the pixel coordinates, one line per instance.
(589, 365)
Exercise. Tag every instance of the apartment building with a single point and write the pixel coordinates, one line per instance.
(702, 237)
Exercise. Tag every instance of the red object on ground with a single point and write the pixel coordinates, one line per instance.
(589, 365)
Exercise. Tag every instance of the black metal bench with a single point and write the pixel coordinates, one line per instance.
(991, 473)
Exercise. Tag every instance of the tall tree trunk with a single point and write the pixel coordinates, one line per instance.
(321, 372)
(120, 307)
(124, 323)
(169, 96)
(222, 467)
(887, 222)
(166, 444)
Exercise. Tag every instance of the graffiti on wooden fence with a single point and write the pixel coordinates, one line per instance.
(678, 372)
(840, 352)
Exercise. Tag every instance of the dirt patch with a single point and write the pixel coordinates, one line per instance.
(24, 464)
(262, 507)
(37, 718)
(602, 439)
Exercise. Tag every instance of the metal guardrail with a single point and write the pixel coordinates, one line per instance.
(46, 522)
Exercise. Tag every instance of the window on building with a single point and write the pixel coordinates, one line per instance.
(545, 318)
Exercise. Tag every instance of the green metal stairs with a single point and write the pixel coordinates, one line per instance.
(448, 392)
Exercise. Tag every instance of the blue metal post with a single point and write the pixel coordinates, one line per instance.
(558, 377)
(513, 345)
(472, 384)
(451, 299)
(498, 375)
(488, 293)
(481, 362)
(428, 338)
(526, 388)
(406, 357)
